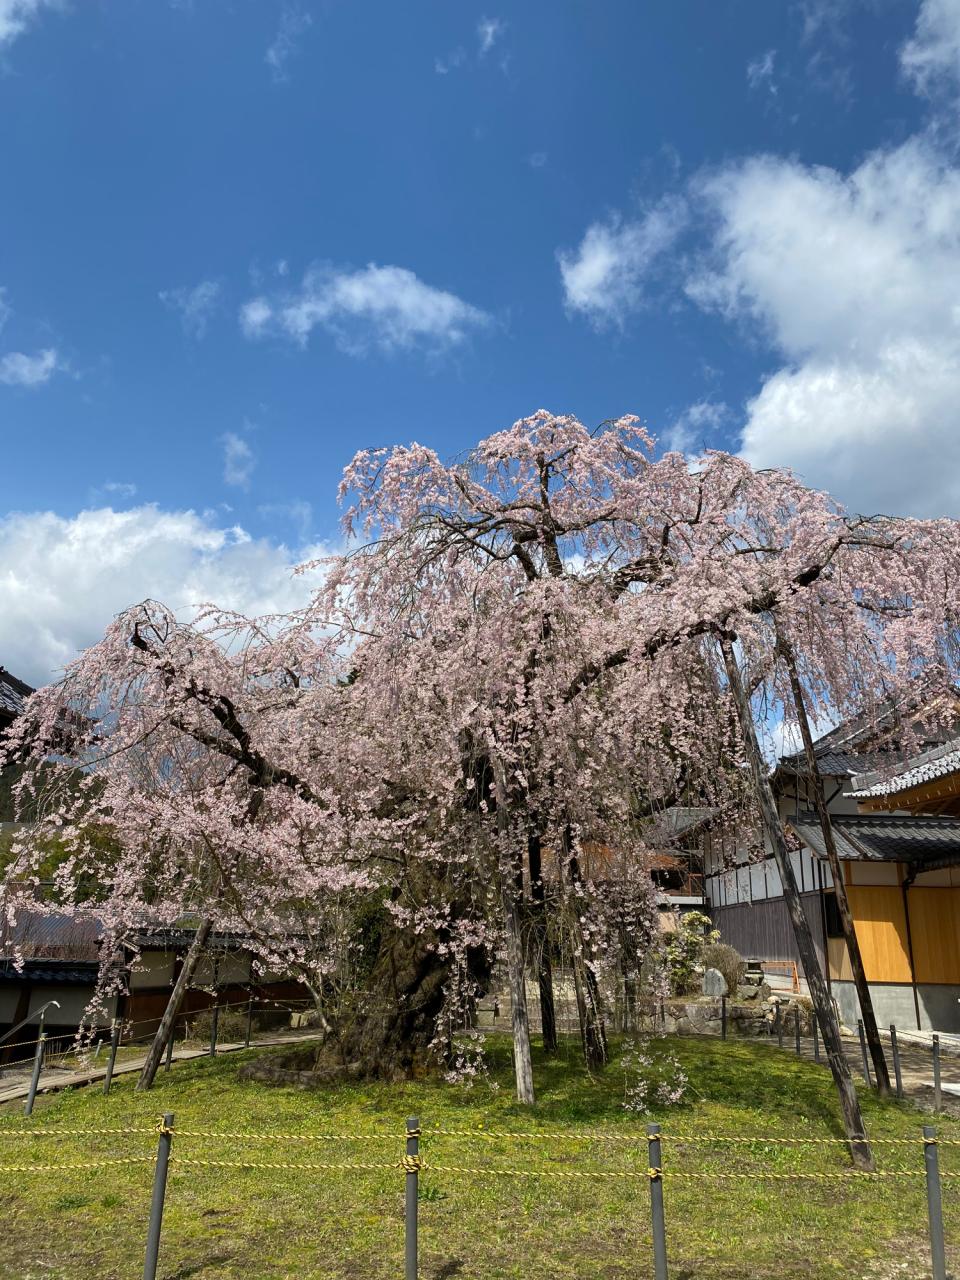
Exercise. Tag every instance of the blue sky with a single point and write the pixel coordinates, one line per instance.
(241, 239)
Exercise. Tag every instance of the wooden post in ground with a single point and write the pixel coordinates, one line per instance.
(819, 995)
(895, 1050)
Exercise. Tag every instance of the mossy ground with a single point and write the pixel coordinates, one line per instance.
(226, 1223)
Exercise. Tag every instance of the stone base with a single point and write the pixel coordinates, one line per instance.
(751, 1017)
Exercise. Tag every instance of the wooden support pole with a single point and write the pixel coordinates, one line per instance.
(819, 995)
(871, 1030)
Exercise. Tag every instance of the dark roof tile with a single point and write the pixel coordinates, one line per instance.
(885, 837)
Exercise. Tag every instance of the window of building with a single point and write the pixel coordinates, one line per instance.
(834, 926)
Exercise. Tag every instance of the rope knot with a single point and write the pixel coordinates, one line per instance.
(654, 1173)
(411, 1164)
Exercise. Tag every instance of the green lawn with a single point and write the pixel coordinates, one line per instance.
(266, 1224)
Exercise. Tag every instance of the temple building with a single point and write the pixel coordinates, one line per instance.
(896, 819)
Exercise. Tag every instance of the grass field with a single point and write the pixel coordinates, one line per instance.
(265, 1224)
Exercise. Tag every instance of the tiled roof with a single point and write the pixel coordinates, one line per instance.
(884, 837)
(13, 693)
(680, 819)
(58, 972)
(835, 763)
(936, 763)
(870, 742)
(54, 935)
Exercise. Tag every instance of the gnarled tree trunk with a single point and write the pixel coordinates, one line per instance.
(389, 1035)
(540, 938)
(510, 871)
(593, 1032)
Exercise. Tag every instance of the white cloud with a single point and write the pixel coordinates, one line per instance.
(855, 279)
(16, 16)
(298, 512)
(443, 66)
(20, 370)
(115, 488)
(63, 579)
(386, 307)
(489, 31)
(760, 72)
(255, 315)
(238, 460)
(931, 59)
(537, 159)
(293, 24)
(6, 311)
(688, 432)
(195, 306)
(605, 276)
(818, 15)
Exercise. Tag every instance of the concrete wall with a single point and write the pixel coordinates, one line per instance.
(156, 969)
(893, 1002)
(8, 1003)
(153, 969)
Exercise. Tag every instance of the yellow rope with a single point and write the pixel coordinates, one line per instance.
(251, 1164)
(671, 1175)
(266, 1136)
(87, 1164)
(566, 1174)
(488, 1135)
(492, 1135)
(560, 1134)
(797, 1142)
(73, 1133)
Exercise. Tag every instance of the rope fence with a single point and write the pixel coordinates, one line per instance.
(653, 1168)
(124, 1034)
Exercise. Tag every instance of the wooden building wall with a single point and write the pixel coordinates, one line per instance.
(763, 929)
(881, 924)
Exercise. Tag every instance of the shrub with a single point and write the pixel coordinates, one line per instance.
(685, 951)
(720, 955)
(231, 1025)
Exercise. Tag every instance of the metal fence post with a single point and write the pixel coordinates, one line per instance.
(895, 1050)
(656, 1203)
(779, 1027)
(412, 1191)
(723, 1017)
(214, 1023)
(934, 1202)
(863, 1053)
(796, 1027)
(937, 1091)
(246, 1038)
(35, 1078)
(112, 1060)
(156, 1203)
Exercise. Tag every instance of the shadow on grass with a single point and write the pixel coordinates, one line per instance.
(745, 1077)
(736, 1076)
